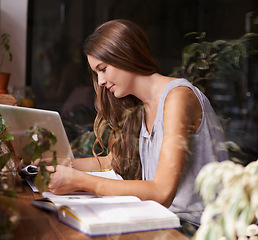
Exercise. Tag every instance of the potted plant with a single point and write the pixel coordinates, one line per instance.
(40, 141)
(230, 193)
(4, 53)
(9, 215)
(214, 66)
(7, 164)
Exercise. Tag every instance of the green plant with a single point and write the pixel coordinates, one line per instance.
(41, 141)
(9, 215)
(82, 146)
(205, 62)
(230, 193)
(4, 137)
(5, 49)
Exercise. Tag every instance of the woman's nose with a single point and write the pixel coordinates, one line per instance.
(101, 80)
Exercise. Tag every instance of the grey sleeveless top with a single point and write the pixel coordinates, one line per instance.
(206, 145)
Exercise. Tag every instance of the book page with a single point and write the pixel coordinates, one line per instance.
(80, 197)
(99, 213)
(106, 174)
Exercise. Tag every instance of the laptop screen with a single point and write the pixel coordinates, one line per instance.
(20, 119)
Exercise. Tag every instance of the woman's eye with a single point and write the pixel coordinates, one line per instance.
(103, 69)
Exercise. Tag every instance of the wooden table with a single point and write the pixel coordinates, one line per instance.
(38, 224)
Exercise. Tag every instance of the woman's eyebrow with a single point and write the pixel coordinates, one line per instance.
(98, 67)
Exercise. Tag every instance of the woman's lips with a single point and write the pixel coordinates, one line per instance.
(111, 88)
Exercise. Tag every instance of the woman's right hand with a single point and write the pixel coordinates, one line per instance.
(63, 181)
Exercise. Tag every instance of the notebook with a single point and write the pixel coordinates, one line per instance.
(20, 119)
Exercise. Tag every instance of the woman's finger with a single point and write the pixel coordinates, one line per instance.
(21, 165)
(50, 168)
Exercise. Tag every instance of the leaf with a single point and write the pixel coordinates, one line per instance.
(8, 137)
(41, 141)
(229, 228)
(209, 188)
(52, 138)
(252, 230)
(241, 48)
(191, 34)
(205, 172)
(215, 232)
(254, 200)
(10, 57)
(212, 57)
(202, 36)
(42, 180)
(211, 231)
(202, 232)
(252, 168)
(202, 64)
(244, 219)
(205, 47)
(249, 36)
(231, 214)
(4, 159)
(31, 151)
(211, 212)
(54, 162)
(218, 43)
(191, 68)
(6, 47)
(188, 53)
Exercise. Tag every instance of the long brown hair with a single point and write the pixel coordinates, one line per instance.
(123, 45)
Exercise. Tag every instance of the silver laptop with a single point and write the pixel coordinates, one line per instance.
(20, 119)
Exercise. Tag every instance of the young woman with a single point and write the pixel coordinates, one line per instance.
(162, 129)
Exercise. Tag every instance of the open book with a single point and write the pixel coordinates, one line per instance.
(98, 216)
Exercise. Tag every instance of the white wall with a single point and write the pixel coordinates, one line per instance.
(13, 20)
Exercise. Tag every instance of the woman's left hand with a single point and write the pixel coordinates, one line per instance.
(62, 181)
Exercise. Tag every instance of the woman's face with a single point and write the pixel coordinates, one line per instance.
(117, 81)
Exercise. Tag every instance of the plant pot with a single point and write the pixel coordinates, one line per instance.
(4, 80)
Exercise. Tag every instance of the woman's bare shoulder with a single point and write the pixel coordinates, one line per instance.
(182, 101)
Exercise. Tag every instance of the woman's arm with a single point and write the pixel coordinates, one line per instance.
(182, 113)
(182, 116)
(92, 163)
(82, 164)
